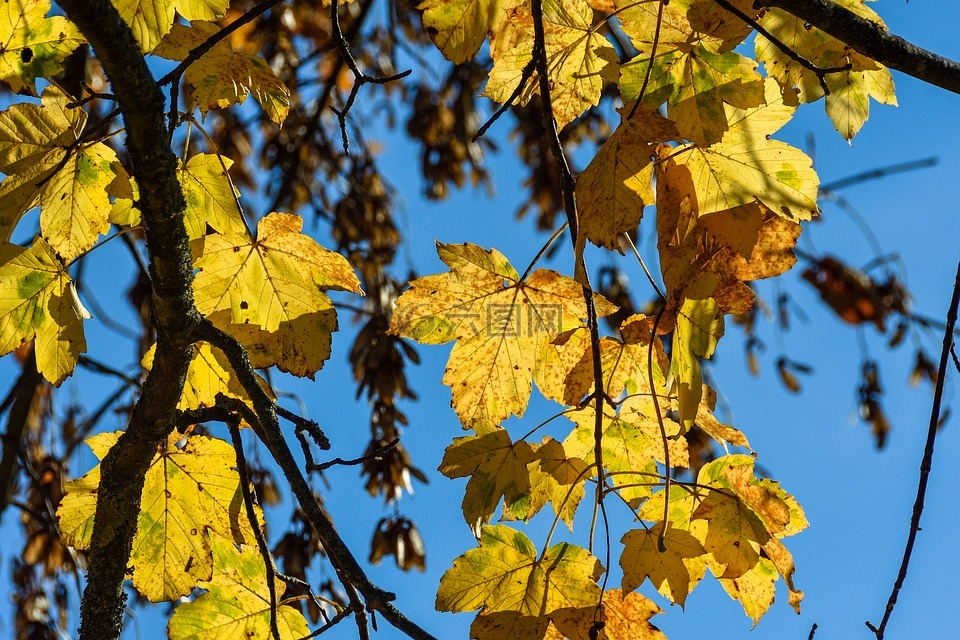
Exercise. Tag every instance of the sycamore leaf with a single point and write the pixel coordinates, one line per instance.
(211, 198)
(458, 28)
(237, 601)
(223, 77)
(70, 185)
(754, 589)
(698, 328)
(504, 328)
(508, 624)
(669, 571)
(734, 533)
(497, 469)
(708, 423)
(848, 103)
(190, 491)
(555, 478)
(616, 185)
(622, 616)
(151, 20)
(33, 45)
(682, 24)
(631, 445)
(577, 58)
(38, 301)
(505, 574)
(276, 278)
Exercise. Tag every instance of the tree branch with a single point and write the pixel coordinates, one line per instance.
(873, 41)
(175, 318)
(24, 392)
(927, 463)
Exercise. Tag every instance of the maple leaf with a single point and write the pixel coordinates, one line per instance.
(190, 491)
(681, 25)
(505, 574)
(616, 185)
(211, 198)
(699, 326)
(497, 469)
(848, 103)
(631, 445)
(44, 166)
(504, 328)
(754, 590)
(508, 624)
(577, 58)
(458, 28)
(151, 20)
(734, 533)
(237, 601)
(223, 77)
(33, 45)
(670, 570)
(554, 477)
(38, 301)
(621, 616)
(746, 166)
(265, 291)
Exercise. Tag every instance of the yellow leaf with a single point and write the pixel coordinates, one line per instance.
(682, 24)
(621, 616)
(33, 45)
(237, 601)
(497, 469)
(505, 574)
(458, 28)
(503, 328)
(734, 533)
(38, 301)
(211, 199)
(151, 20)
(42, 167)
(577, 58)
(720, 432)
(699, 328)
(508, 624)
(631, 445)
(669, 571)
(276, 278)
(616, 185)
(223, 77)
(554, 478)
(754, 589)
(190, 491)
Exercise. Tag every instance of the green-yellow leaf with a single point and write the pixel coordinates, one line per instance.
(673, 572)
(699, 327)
(38, 301)
(497, 468)
(506, 574)
(211, 198)
(190, 491)
(33, 45)
(237, 601)
(504, 329)
(151, 20)
(734, 533)
(458, 28)
(223, 77)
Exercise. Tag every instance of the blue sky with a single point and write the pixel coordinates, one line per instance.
(857, 500)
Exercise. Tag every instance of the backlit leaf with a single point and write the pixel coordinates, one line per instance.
(505, 574)
(670, 570)
(33, 45)
(211, 199)
(151, 20)
(622, 616)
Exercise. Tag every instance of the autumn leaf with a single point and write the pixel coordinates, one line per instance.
(34, 45)
(505, 574)
(554, 477)
(497, 469)
(38, 301)
(191, 490)
(271, 285)
(754, 589)
(734, 533)
(43, 165)
(504, 328)
(151, 21)
(670, 571)
(621, 616)
(508, 624)
(617, 184)
(458, 28)
(223, 77)
(577, 58)
(237, 601)
(699, 326)
(850, 90)
(682, 24)
(211, 198)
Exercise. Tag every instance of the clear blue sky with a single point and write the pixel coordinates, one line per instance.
(857, 500)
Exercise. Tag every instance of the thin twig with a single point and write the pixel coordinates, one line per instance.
(927, 462)
(880, 172)
(653, 53)
(524, 78)
(373, 455)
